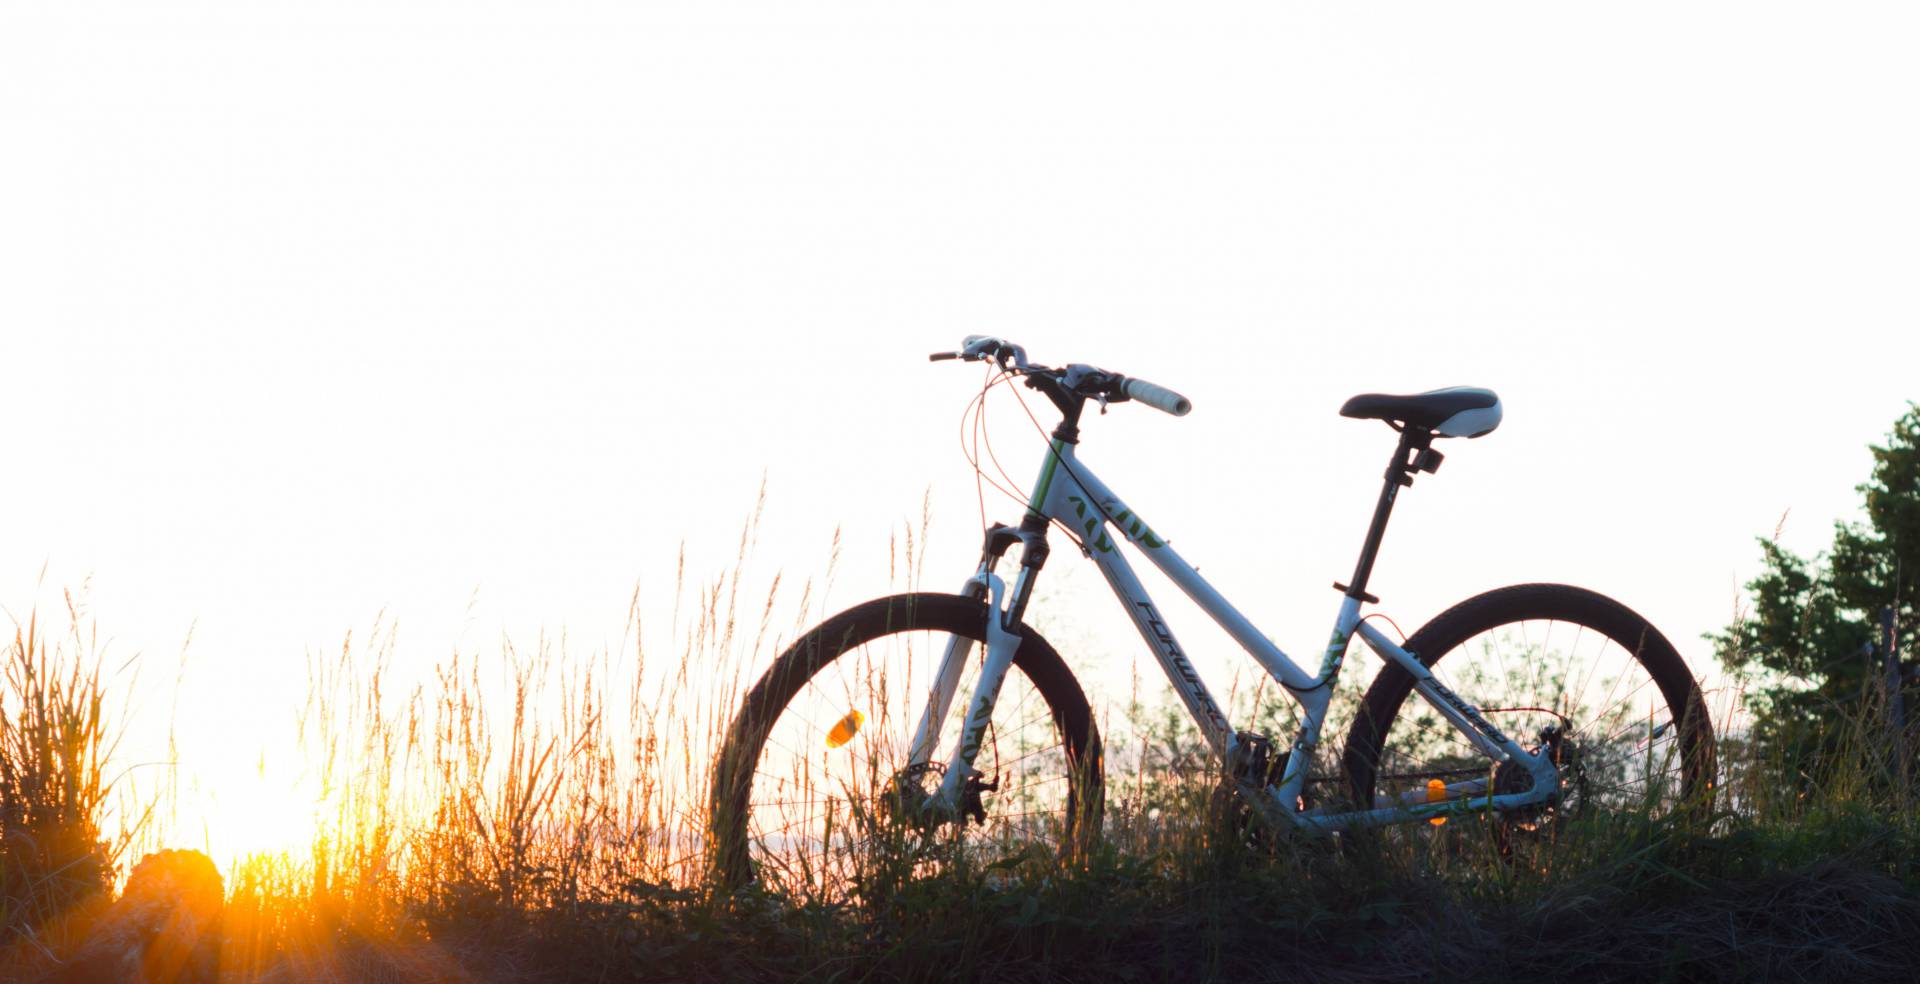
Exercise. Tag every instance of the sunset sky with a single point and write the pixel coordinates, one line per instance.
(475, 313)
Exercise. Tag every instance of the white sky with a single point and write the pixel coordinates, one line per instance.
(474, 311)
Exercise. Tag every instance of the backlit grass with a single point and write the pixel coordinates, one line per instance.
(537, 813)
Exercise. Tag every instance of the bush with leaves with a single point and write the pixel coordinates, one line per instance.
(1811, 620)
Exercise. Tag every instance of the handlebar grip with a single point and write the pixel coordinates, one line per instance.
(1157, 397)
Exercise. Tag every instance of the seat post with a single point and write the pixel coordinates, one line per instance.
(1414, 454)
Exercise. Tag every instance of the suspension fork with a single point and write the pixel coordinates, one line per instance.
(1005, 609)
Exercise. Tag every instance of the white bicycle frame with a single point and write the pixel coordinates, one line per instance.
(1069, 493)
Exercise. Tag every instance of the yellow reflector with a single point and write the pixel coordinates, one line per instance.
(1436, 792)
(844, 729)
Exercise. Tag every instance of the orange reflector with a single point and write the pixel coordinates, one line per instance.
(844, 729)
(1436, 792)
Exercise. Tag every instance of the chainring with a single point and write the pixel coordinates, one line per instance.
(1238, 819)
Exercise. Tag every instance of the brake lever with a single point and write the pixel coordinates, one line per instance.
(977, 348)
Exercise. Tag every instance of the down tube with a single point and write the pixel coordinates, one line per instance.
(1185, 679)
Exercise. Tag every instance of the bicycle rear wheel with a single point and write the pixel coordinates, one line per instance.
(1551, 666)
(814, 795)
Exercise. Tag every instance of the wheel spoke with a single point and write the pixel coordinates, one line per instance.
(817, 811)
(1543, 663)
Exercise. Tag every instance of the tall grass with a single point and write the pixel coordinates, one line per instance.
(538, 813)
(509, 802)
(57, 745)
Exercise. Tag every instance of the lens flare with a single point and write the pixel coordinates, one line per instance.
(844, 729)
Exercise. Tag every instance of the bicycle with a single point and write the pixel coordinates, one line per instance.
(821, 771)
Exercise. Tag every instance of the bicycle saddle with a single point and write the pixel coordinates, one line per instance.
(1458, 411)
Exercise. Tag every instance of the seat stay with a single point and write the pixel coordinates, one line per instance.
(1464, 717)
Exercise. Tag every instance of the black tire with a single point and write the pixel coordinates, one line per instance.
(1521, 654)
(779, 770)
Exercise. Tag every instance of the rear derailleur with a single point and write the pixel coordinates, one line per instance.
(1566, 801)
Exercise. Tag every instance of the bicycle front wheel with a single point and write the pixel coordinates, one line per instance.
(814, 795)
(1551, 666)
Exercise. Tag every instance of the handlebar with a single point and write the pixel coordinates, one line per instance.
(1158, 397)
(1073, 382)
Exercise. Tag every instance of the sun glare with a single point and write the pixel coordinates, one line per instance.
(240, 810)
